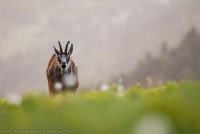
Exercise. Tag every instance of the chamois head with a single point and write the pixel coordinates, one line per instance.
(64, 56)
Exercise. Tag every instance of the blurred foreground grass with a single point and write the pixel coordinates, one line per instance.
(170, 109)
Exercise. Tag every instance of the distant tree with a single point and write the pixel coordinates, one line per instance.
(192, 33)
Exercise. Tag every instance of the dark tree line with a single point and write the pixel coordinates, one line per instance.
(177, 64)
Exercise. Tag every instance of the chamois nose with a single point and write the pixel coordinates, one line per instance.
(63, 66)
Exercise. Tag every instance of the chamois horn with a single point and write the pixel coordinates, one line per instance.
(66, 48)
(60, 47)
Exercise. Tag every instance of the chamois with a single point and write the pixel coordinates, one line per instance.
(62, 72)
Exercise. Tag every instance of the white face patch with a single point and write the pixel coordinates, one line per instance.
(63, 59)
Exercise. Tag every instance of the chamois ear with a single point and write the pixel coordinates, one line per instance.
(66, 48)
(57, 52)
(60, 47)
(71, 49)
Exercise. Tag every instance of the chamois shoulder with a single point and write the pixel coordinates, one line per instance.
(74, 66)
(53, 57)
(49, 71)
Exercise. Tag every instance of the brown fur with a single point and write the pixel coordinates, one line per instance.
(53, 74)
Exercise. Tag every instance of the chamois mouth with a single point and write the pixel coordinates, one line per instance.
(63, 68)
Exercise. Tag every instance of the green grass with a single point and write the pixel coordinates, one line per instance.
(170, 109)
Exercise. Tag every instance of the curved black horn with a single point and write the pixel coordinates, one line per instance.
(71, 49)
(57, 52)
(66, 48)
(60, 47)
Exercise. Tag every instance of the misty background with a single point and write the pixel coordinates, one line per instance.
(112, 39)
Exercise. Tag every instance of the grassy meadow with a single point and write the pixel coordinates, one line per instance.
(171, 109)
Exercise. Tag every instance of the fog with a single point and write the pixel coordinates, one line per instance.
(110, 37)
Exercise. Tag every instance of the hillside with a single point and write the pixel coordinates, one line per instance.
(174, 64)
